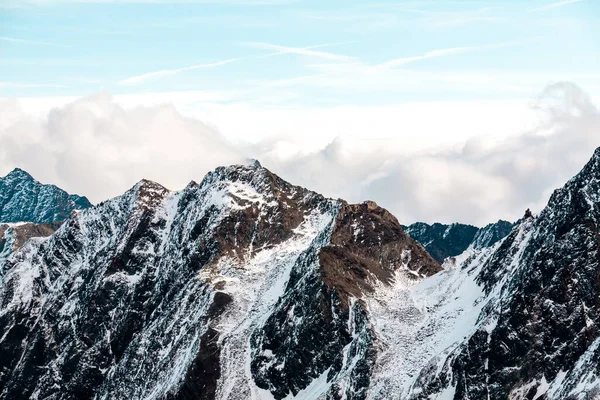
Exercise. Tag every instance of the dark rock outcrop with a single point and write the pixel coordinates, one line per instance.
(491, 234)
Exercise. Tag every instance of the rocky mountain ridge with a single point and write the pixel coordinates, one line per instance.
(14, 235)
(536, 335)
(23, 199)
(245, 286)
(200, 293)
(443, 241)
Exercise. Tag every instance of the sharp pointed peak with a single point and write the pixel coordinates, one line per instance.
(250, 170)
(148, 193)
(249, 164)
(591, 168)
(147, 184)
(19, 173)
(253, 162)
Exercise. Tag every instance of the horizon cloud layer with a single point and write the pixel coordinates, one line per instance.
(97, 148)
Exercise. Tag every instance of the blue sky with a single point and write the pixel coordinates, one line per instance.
(326, 52)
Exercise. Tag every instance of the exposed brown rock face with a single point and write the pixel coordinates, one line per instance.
(150, 194)
(25, 231)
(255, 225)
(368, 246)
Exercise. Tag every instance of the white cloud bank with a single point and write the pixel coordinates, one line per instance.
(94, 146)
(97, 148)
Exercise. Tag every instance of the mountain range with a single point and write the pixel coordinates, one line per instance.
(244, 286)
(443, 241)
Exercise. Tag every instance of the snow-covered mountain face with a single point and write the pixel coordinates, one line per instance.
(14, 235)
(443, 241)
(247, 287)
(23, 199)
(535, 299)
(491, 234)
(242, 286)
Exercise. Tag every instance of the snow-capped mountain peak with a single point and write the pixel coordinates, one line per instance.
(245, 286)
(158, 294)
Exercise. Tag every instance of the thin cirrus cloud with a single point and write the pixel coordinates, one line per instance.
(398, 62)
(166, 72)
(346, 64)
(277, 51)
(363, 69)
(303, 51)
(25, 41)
(556, 5)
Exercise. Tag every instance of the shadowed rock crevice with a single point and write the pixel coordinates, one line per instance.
(203, 374)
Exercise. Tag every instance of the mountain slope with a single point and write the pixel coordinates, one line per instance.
(443, 241)
(491, 234)
(247, 287)
(14, 235)
(23, 199)
(241, 286)
(536, 335)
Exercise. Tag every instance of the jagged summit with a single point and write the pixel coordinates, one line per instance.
(158, 294)
(18, 173)
(22, 198)
(229, 171)
(234, 180)
(246, 286)
(491, 234)
(443, 241)
(253, 162)
(149, 193)
(260, 179)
